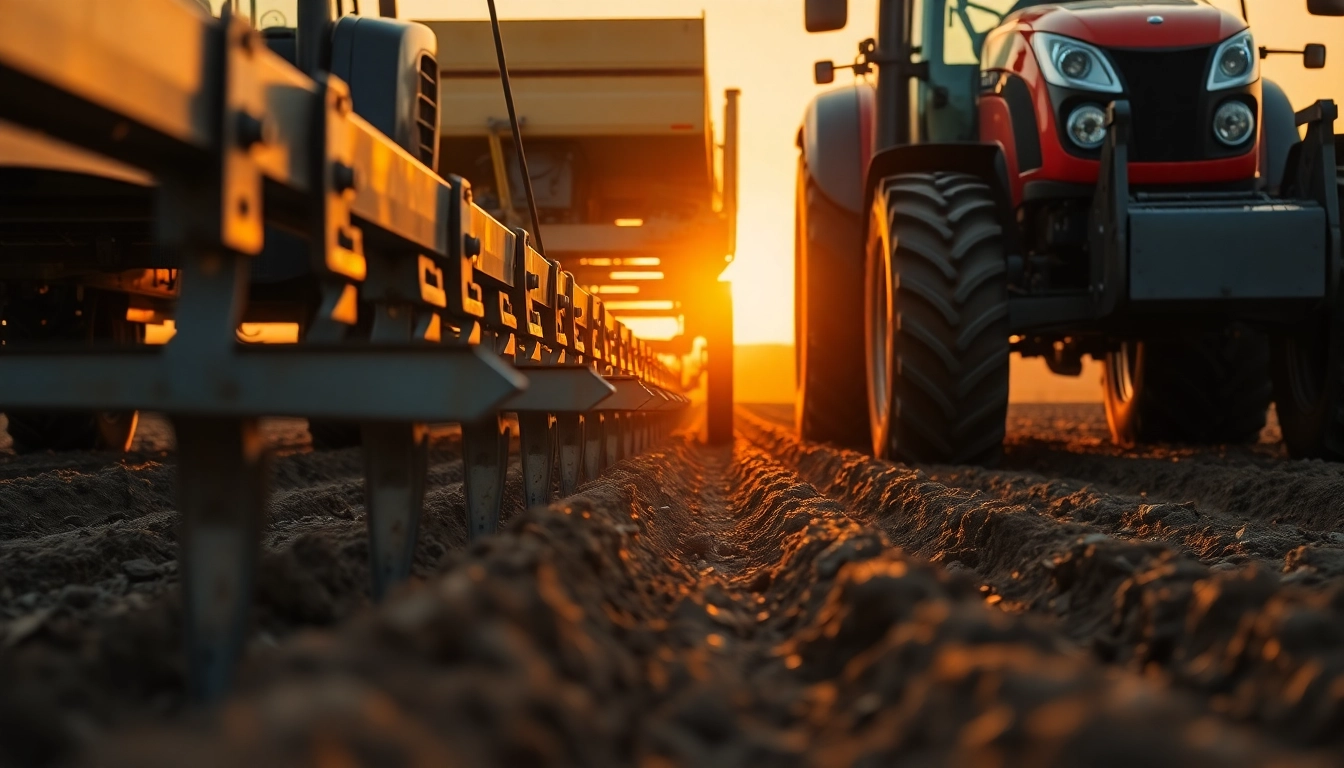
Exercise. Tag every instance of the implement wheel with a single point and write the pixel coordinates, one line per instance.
(56, 315)
(828, 286)
(1209, 388)
(936, 321)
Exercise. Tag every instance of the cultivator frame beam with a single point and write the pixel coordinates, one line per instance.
(469, 321)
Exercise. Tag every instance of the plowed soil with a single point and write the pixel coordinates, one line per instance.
(770, 603)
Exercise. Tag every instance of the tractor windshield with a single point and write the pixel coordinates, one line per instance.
(262, 13)
(968, 22)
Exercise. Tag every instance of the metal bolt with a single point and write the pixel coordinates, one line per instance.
(533, 280)
(251, 130)
(342, 176)
(472, 246)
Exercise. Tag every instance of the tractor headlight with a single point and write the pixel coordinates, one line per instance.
(1087, 126)
(1233, 123)
(1235, 63)
(1074, 64)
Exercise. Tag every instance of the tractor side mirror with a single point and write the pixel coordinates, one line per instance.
(1313, 57)
(823, 72)
(825, 15)
(1325, 7)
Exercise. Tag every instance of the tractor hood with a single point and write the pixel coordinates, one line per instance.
(1133, 23)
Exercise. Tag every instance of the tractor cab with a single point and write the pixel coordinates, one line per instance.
(942, 40)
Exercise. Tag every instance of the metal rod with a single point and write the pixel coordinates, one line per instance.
(513, 124)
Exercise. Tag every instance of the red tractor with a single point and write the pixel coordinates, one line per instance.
(1102, 177)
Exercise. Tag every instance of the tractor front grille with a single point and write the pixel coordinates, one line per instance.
(1166, 95)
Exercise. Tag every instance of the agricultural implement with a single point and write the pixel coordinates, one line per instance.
(635, 197)
(284, 175)
(1061, 179)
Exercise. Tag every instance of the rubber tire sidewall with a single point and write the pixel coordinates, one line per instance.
(1122, 416)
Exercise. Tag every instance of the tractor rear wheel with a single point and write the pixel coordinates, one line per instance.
(1209, 388)
(828, 353)
(936, 320)
(1309, 393)
(58, 314)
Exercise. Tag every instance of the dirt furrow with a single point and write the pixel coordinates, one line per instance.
(1212, 536)
(697, 607)
(1307, 494)
(1261, 650)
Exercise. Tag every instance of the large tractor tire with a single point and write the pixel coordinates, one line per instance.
(1308, 365)
(828, 311)
(56, 315)
(332, 435)
(936, 321)
(1207, 388)
(1308, 372)
(719, 388)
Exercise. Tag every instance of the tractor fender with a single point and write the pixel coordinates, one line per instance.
(976, 159)
(1279, 134)
(836, 143)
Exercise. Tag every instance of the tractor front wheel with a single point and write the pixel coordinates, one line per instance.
(936, 321)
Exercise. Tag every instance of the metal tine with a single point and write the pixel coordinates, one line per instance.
(570, 428)
(615, 434)
(594, 445)
(221, 480)
(396, 458)
(221, 474)
(535, 300)
(536, 443)
(485, 453)
(629, 435)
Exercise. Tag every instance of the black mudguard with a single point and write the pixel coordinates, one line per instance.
(831, 141)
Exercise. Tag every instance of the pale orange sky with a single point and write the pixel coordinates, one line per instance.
(760, 47)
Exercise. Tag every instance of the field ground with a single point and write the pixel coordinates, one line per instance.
(769, 603)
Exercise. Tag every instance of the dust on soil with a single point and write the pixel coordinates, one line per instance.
(775, 604)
